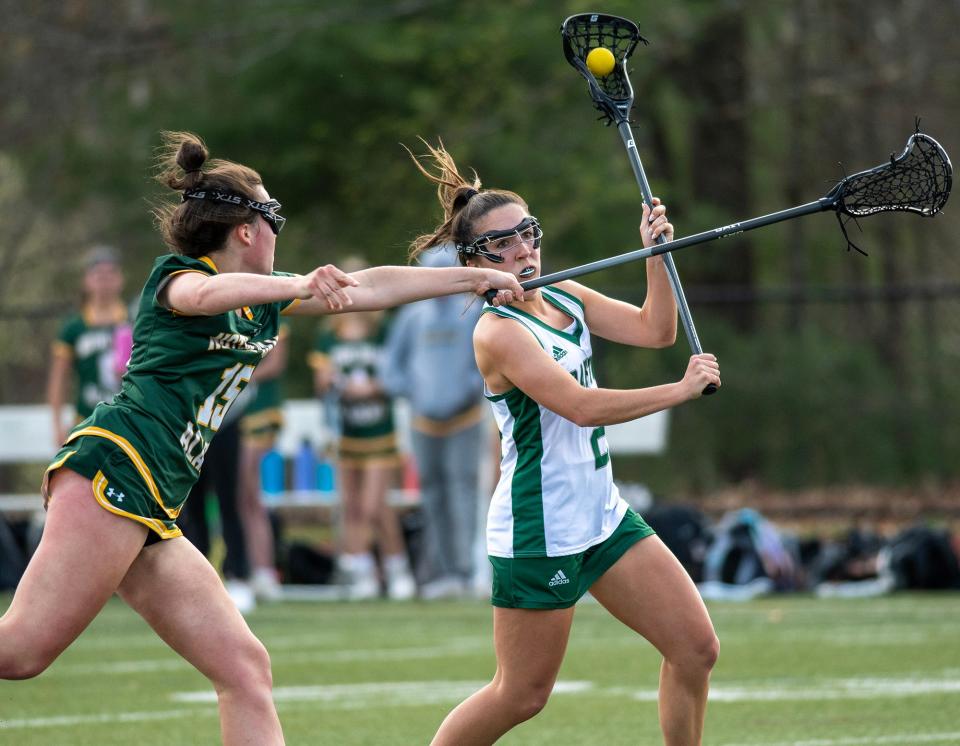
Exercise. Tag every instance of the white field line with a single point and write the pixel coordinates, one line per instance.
(339, 696)
(103, 718)
(428, 692)
(318, 655)
(893, 740)
(901, 635)
(826, 689)
(148, 638)
(384, 693)
(416, 693)
(845, 609)
(309, 648)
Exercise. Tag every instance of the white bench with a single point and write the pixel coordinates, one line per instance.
(26, 436)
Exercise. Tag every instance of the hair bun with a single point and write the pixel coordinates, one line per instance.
(464, 196)
(191, 156)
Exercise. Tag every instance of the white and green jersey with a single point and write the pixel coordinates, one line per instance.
(556, 494)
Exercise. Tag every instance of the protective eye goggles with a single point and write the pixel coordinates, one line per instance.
(493, 244)
(267, 209)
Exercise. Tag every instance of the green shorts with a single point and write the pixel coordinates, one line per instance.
(261, 428)
(117, 484)
(559, 582)
(376, 450)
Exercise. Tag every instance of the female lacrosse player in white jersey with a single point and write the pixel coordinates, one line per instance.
(557, 526)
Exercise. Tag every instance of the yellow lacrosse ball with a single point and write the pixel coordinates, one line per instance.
(601, 61)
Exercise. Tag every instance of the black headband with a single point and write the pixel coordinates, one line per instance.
(267, 209)
(232, 198)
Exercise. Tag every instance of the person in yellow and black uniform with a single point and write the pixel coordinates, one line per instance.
(208, 313)
(259, 427)
(93, 345)
(346, 360)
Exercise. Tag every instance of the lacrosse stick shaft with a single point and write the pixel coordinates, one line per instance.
(686, 318)
(665, 248)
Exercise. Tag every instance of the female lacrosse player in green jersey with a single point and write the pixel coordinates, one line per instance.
(94, 343)
(261, 423)
(346, 361)
(557, 527)
(208, 313)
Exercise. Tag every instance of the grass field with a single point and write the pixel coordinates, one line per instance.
(793, 671)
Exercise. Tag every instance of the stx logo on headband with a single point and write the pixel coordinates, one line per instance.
(233, 199)
(267, 209)
(216, 195)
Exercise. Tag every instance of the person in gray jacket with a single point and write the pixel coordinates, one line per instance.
(429, 361)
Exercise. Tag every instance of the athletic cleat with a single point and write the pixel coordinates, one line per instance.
(363, 589)
(358, 574)
(401, 587)
(241, 594)
(446, 587)
(265, 585)
(399, 580)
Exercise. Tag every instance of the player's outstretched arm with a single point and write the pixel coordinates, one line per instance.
(329, 290)
(377, 288)
(198, 294)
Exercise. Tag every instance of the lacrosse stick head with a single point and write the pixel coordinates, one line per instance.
(918, 180)
(612, 94)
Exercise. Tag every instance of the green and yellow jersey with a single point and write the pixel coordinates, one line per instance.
(183, 376)
(367, 432)
(263, 417)
(96, 358)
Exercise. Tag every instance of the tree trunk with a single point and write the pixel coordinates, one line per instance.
(717, 79)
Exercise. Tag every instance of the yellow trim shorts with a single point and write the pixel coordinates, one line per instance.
(118, 484)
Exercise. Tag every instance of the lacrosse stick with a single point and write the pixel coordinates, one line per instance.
(918, 181)
(612, 94)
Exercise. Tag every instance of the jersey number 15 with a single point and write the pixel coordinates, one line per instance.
(212, 412)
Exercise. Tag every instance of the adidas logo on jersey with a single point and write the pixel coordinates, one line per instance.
(559, 578)
(558, 352)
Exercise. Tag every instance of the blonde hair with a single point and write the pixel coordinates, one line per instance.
(463, 200)
(196, 227)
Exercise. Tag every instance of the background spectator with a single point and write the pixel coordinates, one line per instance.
(259, 426)
(93, 345)
(346, 360)
(429, 361)
(220, 474)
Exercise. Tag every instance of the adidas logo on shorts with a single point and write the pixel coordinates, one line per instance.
(558, 579)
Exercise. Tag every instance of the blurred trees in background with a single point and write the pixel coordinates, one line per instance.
(835, 366)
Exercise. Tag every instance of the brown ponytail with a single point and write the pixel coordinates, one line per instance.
(197, 227)
(463, 201)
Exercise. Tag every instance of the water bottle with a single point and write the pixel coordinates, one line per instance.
(326, 478)
(304, 468)
(272, 482)
(410, 481)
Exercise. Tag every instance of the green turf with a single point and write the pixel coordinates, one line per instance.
(793, 671)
